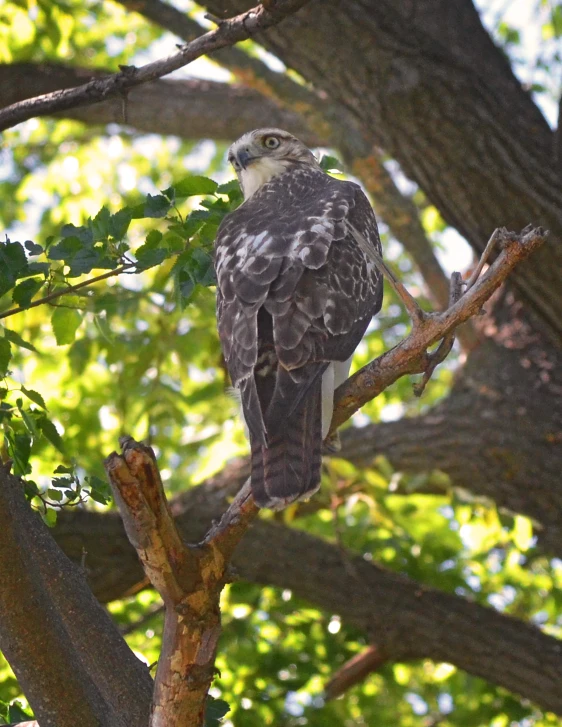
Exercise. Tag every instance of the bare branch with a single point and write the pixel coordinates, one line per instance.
(446, 344)
(410, 356)
(189, 579)
(416, 313)
(230, 31)
(189, 108)
(354, 672)
(483, 259)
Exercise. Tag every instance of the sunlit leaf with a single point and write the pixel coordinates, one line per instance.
(65, 322)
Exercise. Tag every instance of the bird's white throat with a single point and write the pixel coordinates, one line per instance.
(258, 173)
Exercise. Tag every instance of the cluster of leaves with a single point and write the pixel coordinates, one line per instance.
(32, 275)
(13, 713)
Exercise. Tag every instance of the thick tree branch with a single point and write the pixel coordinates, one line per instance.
(68, 656)
(230, 31)
(190, 108)
(189, 579)
(404, 618)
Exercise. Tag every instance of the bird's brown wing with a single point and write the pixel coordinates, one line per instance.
(295, 292)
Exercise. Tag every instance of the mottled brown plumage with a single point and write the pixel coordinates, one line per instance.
(295, 294)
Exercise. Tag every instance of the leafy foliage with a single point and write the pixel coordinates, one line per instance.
(100, 243)
(137, 352)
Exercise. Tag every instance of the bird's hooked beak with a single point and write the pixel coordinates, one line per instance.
(245, 158)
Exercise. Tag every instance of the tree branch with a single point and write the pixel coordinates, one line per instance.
(354, 672)
(230, 31)
(410, 356)
(65, 651)
(188, 108)
(189, 579)
(67, 291)
(404, 618)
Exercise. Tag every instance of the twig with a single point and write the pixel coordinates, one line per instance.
(354, 671)
(485, 255)
(66, 291)
(416, 313)
(444, 348)
(230, 31)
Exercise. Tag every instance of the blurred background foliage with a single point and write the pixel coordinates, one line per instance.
(139, 353)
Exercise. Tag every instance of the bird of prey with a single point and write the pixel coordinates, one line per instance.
(295, 294)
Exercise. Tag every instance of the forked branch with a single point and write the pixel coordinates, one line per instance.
(189, 578)
(411, 355)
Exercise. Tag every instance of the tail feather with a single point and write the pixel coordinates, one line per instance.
(288, 468)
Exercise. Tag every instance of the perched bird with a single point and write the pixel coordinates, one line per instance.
(295, 293)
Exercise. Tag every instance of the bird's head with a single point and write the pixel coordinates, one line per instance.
(261, 154)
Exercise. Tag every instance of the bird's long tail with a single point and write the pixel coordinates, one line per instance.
(288, 469)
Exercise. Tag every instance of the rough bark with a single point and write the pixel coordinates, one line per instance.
(443, 101)
(70, 660)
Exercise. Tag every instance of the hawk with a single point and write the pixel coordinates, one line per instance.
(295, 294)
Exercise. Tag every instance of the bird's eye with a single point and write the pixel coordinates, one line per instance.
(271, 142)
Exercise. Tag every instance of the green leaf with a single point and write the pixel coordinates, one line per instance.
(156, 206)
(63, 469)
(16, 339)
(12, 257)
(5, 356)
(65, 322)
(50, 432)
(100, 490)
(191, 186)
(119, 223)
(54, 495)
(215, 710)
(19, 449)
(28, 420)
(153, 239)
(35, 396)
(148, 257)
(228, 187)
(50, 517)
(329, 163)
(100, 224)
(16, 713)
(65, 249)
(24, 292)
(33, 248)
(84, 234)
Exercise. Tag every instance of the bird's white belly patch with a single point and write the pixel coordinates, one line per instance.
(336, 373)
